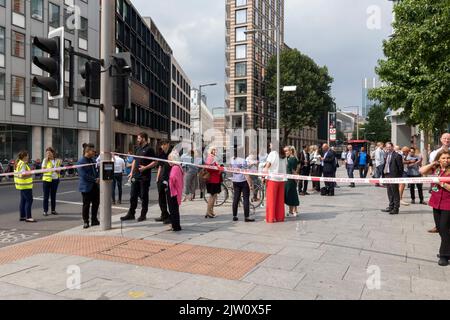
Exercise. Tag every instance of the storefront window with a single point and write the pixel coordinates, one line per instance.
(65, 142)
(14, 139)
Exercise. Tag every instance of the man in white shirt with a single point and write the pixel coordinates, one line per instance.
(445, 142)
(119, 168)
(379, 161)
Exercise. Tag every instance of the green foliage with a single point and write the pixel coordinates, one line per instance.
(313, 96)
(378, 127)
(416, 70)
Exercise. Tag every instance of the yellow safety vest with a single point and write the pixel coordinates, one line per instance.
(22, 183)
(47, 176)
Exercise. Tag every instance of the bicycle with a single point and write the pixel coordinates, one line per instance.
(256, 198)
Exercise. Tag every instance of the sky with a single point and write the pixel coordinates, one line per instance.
(344, 35)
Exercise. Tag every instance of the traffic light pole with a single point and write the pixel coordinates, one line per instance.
(106, 133)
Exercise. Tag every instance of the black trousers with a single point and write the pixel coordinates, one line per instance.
(162, 200)
(174, 209)
(442, 220)
(117, 181)
(139, 189)
(303, 185)
(330, 185)
(393, 195)
(241, 188)
(316, 172)
(50, 190)
(91, 198)
(412, 190)
(363, 172)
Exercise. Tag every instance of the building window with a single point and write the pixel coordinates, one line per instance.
(53, 109)
(2, 47)
(2, 3)
(241, 16)
(35, 52)
(240, 34)
(2, 86)
(18, 13)
(17, 96)
(241, 51)
(83, 34)
(240, 104)
(240, 86)
(241, 3)
(37, 9)
(53, 16)
(17, 44)
(241, 69)
(37, 94)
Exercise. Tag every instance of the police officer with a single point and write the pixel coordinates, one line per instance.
(141, 173)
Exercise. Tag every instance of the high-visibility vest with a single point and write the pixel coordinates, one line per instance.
(47, 176)
(22, 183)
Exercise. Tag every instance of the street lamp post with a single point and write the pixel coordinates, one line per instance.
(199, 99)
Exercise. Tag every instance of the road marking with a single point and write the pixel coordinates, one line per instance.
(68, 192)
(76, 203)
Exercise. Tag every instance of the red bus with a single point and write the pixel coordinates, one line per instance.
(358, 144)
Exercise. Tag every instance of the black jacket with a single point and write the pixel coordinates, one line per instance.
(396, 165)
(329, 162)
(302, 158)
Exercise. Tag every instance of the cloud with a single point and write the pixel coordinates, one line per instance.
(332, 32)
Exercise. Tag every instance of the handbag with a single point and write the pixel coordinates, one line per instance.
(204, 175)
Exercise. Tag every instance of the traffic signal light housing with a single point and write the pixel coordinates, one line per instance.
(92, 83)
(120, 72)
(53, 64)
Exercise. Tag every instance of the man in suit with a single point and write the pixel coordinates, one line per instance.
(393, 168)
(305, 170)
(329, 167)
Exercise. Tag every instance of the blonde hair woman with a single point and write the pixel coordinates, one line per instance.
(316, 168)
(213, 187)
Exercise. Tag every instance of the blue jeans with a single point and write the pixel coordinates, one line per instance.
(117, 181)
(350, 168)
(50, 190)
(26, 201)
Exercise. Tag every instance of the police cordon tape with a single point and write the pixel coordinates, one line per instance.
(299, 177)
(31, 172)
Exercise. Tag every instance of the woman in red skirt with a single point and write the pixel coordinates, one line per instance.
(275, 164)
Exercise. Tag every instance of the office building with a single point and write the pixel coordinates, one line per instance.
(28, 119)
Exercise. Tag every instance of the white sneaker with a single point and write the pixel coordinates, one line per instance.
(403, 203)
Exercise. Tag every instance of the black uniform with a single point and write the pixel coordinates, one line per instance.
(163, 185)
(140, 183)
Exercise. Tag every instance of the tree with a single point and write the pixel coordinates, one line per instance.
(313, 96)
(416, 71)
(378, 127)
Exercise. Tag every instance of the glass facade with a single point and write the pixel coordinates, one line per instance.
(65, 142)
(14, 139)
(151, 67)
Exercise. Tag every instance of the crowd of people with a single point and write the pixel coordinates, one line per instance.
(178, 178)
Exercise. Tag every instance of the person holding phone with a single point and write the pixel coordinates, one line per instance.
(440, 202)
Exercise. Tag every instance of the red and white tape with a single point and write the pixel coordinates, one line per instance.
(31, 172)
(302, 178)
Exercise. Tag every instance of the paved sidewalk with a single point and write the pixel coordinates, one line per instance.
(325, 253)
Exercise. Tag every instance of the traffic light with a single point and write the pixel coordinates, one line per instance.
(53, 64)
(121, 71)
(91, 75)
